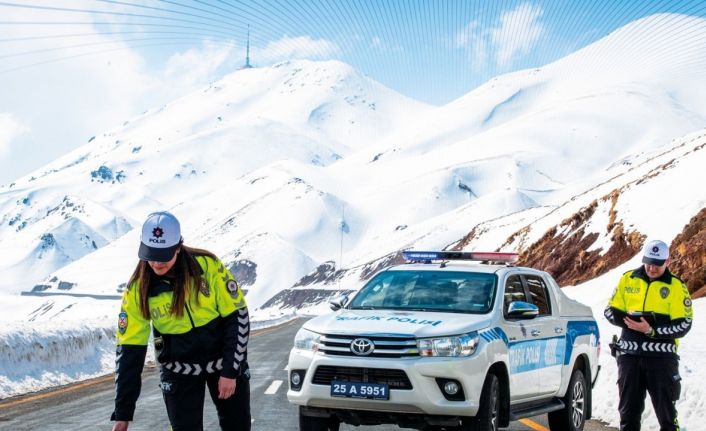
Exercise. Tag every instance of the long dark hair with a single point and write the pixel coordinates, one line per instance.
(186, 272)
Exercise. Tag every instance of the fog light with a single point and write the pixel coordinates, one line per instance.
(296, 379)
(451, 388)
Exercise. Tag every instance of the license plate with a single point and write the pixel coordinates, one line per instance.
(373, 391)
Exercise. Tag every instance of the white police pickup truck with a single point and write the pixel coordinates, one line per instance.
(443, 344)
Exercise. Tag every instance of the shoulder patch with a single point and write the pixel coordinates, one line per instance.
(232, 288)
(122, 322)
(687, 302)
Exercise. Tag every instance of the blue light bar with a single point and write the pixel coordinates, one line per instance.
(429, 256)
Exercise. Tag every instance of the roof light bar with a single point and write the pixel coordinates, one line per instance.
(428, 256)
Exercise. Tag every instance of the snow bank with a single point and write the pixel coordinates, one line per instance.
(41, 355)
(35, 356)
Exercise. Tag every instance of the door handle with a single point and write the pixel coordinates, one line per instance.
(558, 330)
(535, 332)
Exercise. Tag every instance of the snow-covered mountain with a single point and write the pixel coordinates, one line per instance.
(307, 177)
(280, 170)
(217, 152)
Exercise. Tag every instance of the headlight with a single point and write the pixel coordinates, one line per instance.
(461, 345)
(306, 340)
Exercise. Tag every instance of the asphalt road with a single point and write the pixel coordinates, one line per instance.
(88, 405)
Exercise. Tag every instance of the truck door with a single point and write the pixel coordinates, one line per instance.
(551, 335)
(523, 348)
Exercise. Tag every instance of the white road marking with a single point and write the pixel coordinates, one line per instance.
(273, 387)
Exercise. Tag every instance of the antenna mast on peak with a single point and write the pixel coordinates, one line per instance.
(247, 52)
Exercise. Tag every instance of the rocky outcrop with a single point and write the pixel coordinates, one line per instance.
(565, 250)
(325, 273)
(688, 253)
(371, 268)
(244, 271)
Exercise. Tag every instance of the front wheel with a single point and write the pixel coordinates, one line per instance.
(487, 418)
(573, 416)
(314, 423)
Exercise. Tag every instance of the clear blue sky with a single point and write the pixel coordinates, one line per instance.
(438, 50)
(74, 68)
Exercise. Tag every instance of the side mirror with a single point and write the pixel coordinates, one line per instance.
(522, 310)
(338, 302)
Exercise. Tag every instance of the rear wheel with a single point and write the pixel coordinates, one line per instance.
(488, 416)
(314, 423)
(573, 416)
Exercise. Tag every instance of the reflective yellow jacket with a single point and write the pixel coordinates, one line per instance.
(211, 336)
(666, 305)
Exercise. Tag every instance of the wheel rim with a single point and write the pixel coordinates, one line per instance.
(577, 404)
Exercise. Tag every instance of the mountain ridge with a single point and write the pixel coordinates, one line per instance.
(288, 167)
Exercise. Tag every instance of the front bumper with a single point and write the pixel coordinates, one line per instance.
(425, 397)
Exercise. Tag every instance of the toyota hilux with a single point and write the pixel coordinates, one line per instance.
(445, 343)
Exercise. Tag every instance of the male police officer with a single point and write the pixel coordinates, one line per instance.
(654, 309)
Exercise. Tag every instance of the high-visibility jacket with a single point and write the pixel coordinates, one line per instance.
(211, 336)
(666, 305)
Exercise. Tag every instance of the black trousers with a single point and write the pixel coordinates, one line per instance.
(184, 398)
(657, 375)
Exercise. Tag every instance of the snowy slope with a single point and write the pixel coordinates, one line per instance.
(305, 162)
(654, 196)
(313, 113)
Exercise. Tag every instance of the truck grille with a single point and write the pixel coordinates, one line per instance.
(384, 347)
(395, 379)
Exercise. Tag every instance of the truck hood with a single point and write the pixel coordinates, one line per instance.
(397, 323)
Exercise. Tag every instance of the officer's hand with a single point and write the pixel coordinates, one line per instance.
(642, 326)
(226, 388)
(120, 425)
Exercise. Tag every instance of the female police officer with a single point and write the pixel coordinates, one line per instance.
(200, 323)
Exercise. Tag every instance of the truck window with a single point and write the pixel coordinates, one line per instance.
(513, 291)
(538, 294)
(451, 291)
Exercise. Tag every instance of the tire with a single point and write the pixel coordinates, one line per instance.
(313, 423)
(488, 416)
(573, 416)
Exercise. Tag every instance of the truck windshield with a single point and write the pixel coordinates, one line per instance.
(459, 292)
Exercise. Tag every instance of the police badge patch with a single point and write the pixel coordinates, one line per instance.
(203, 288)
(122, 322)
(664, 292)
(687, 302)
(232, 288)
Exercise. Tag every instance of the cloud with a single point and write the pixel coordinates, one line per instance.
(375, 42)
(69, 93)
(472, 36)
(10, 128)
(198, 65)
(301, 47)
(519, 31)
(514, 34)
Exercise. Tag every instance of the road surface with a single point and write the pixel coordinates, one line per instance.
(88, 405)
